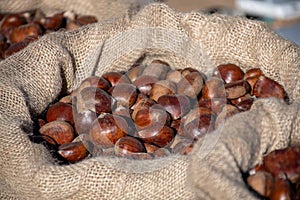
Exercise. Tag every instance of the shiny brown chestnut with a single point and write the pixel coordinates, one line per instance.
(266, 88)
(144, 83)
(158, 135)
(19, 33)
(162, 87)
(57, 132)
(141, 103)
(53, 22)
(154, 115)
(73, 152)
(125, 146)
(107, 129)
(174, 75)
(157, 68)
(94, 81)
(236, 89)
(176, 105)
(11, 21)
(16, 47)
(124, 93)
(213, 88)
(115, 77)
(199, 126)
(229, 72)
(253, 72)
(60, 111)
(84, 120)
(190, 85)
(95, 99)
(282, 189)
(284, 161)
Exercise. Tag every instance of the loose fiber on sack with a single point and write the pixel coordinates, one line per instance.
(56, 63)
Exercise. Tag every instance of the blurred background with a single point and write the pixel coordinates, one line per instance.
(283, 16)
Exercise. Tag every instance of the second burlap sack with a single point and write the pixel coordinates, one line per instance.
(58, 62)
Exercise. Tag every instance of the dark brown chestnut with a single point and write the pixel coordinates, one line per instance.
(176, 105)
(107, 129)
(266, 88)
(127, 145)
(190, 85)
(158, 135)
(229, 72)
(124, 93)
(162, 87)
(154, 115)
(115, 78)
(253, 72)
(86, 19)
(84, 120)
(73, 152)
(95, 99)
(213, 88)
(53, 22)
(282, 189)
(60, 111)
(57, 132)
(19, 33)
(144, 83)
(236, 89)
(157, 68)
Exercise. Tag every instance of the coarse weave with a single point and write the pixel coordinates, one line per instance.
(58, 62)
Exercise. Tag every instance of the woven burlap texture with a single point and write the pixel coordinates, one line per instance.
(56, 63)
(102, 9)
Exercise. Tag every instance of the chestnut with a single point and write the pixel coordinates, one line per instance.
(150, 148)
(135, 72)
(174, 76)
(53, 22)
(60, 111)
(176, 105)
(142, 102)
(225, 112)
(190, 85)
(213, 104)
(73, 152)
(183, 147)
(95, 99)
(59, 132)
(266, 88)
(107, 129)
(144, 83)
(84, 120)
(199, 126)
(229, 72)
(252, 81)
(124, 93)
(162, 87)
(125, 146)
(236, 89)
(282, 189)
(157, 68)
(11, 21)
(19, 33)
(154, 115)
(161, 152)
(253, 72)
(213, 88)
(94, 81)
(246, 104)
(14, 48)
(86, 19)
(115, 78)
(158, 135)
(284, 161)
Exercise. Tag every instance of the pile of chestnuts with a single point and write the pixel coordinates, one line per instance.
(150, 111)
(278, 177)
(17, 30)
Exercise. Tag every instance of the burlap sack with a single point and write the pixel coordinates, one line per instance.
(102, 9)
(57, 62)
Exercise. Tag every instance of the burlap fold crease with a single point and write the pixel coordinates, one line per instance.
(56, 63)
